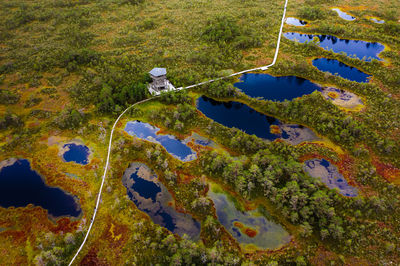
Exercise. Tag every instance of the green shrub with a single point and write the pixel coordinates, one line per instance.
(310, 13)
(8, 97)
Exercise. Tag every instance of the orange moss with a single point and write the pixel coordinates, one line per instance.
(387, 171)
(115, 235)
(65, 225)
(250, 232)
(333, 95)
(274, 129)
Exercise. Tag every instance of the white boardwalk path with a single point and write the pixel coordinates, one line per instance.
(188, 87)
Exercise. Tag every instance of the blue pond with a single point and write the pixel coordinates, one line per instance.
(353, 48)
(330, 175)
(343, 15)
(173, 146)
(238, 115)
(76, 153)
(20, 186)
(336, 67)
(275, 88)
(153, 198)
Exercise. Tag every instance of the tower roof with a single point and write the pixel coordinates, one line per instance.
(158, 72)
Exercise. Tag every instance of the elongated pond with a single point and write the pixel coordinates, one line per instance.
(343, 14)
(295, 22)
(378, 21)
(250, 228)
(148, 132)
(153, 198)
(330, 176)
(238, 115)
(353, 48)
(20, 186)
(336, 67)
(275, 88)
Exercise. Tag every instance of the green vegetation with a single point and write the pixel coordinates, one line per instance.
(69, 68)
(310, 13)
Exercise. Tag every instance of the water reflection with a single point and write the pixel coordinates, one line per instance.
(76, 153)
(295, 22)
(241, 116)
(20, 186)
(343, 14)
(353, 48)
(329, 174)
(275, 88)
(173, 146)
(153, 198)
(336, 67)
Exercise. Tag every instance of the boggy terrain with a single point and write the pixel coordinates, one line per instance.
(298, 177)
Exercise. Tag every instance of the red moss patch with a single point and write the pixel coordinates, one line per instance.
(92, 259)
(65, 225)
(116, 235)
(274, 129)
(388, 171)
(250, 232)
(333, 95)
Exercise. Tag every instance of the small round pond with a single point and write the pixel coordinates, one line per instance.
(275, 88)
(174, 146)
(20, 186)
(330, 176)
(77, 153)
(153, 198)
(250, 228)
(336, 67)
(353, 48)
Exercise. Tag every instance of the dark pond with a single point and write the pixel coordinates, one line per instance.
(336, 67)
(173, 146)
(295, 22)
(353, 48)
(251, 229)
(76, 153)
(241, 116)
(20, 186)
(343, 15)
(330, 175)
(238, 115)
(275, 88)
(153, 198)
